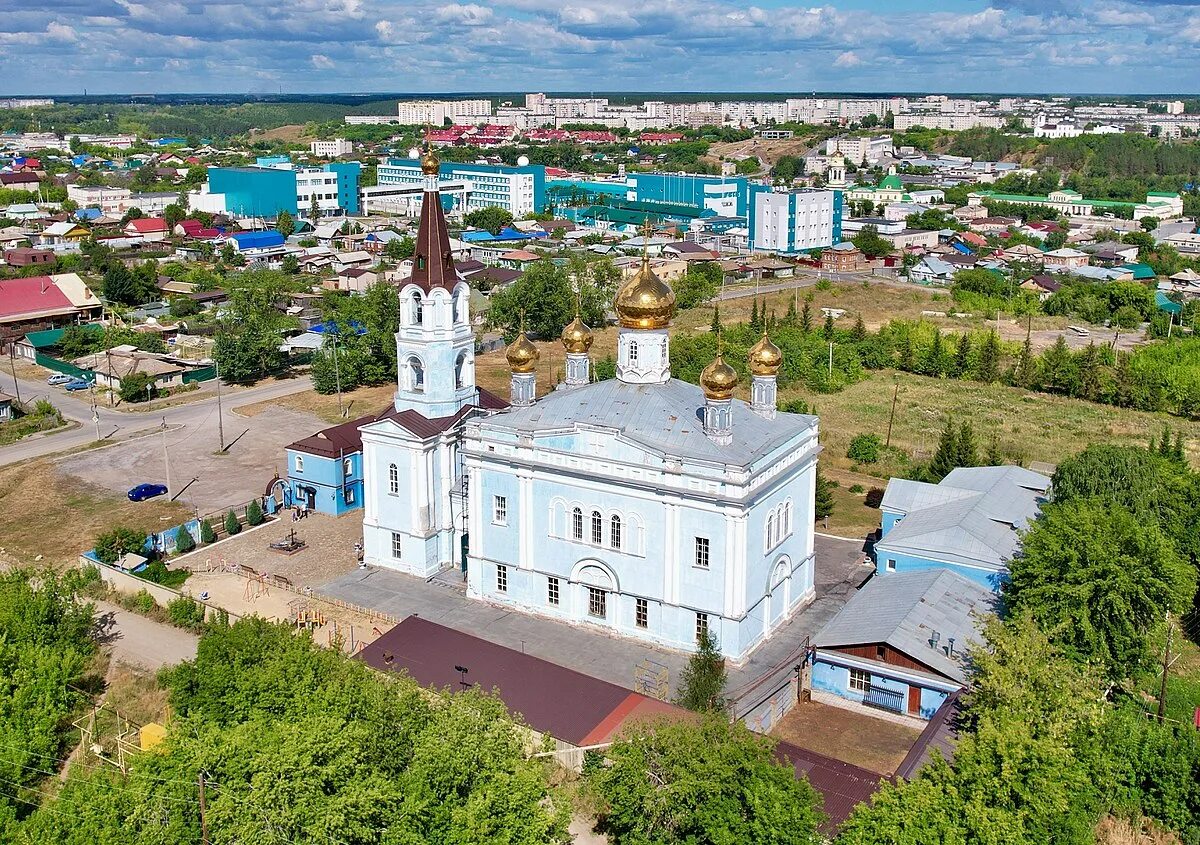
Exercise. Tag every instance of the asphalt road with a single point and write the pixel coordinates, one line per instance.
(138, 641)
(119, 425)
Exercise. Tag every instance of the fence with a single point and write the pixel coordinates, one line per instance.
(200, 374)
(767, 699)
(124, 582)
(44, 360)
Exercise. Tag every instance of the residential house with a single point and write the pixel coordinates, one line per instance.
(195, 230)
(932, 270)
(325, 469)
(39, 302)
(967, 213)
(970, 522)
(23, 211)
(352, 280)
(1042, 286)
(993, 225)
(358, 258)
(1108, 253)
(518, 259)
(115, 364)
(6, 407)
(1188, 243)
(1065, 257)
(23, 181)
(28, 256)
(1021, 252)
(900, 644)
(689, 251)
(844, 257)
(147, 229)
(62, 237)
(376, 242)
(262, 245)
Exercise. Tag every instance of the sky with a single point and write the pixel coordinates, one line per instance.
(313, 46)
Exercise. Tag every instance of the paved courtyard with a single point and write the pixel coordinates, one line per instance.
(222, 481)
(589, 650)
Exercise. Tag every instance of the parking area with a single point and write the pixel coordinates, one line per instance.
(191, 450)
(875, 744)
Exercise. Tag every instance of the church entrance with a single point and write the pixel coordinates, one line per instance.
(594, 587)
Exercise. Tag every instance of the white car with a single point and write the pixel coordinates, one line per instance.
(59, 378)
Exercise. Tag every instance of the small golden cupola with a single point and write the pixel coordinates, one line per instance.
(645, 301)
(522, 355)
(430, 164)
(577, 337)
(718, 379)
(765, 357)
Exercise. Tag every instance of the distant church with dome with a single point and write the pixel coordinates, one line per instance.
(641, 505)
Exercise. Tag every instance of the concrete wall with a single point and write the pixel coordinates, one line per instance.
(123, 582)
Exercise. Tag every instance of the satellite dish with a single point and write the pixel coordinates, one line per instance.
(414, 153)
(523, 161)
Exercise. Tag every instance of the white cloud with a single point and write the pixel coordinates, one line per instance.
(847, 59)
(321, 62)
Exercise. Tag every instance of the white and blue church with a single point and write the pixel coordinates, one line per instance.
(641, 505)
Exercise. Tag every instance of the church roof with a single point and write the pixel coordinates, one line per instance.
(425, 427)
(664, 418)
(433, 263)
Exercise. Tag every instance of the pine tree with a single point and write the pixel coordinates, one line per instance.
(932, 365)
(254, 514)
(232, 526)
(1089, 373)
(716, 320)
(966, 454)
(824, 498)
(994, 456)
(1164, 445)
(860, 330)
(806, 323)
(790, 318)
(1057, 373)
(1177, 452)
(827, 330)
(314, 210)
(962, 357)
(1023, 372)
(754, 315)
(703, 678)
(989, 359)
(907, 354)
(207, 535)
(946, 456)
(184, 542)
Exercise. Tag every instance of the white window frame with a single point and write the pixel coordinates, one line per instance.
(701, 624)
(397, 544)
(348, 493)
(703, 555)
(299, 463)
(641, 613)
(890, 565)
(553, 592)
(501, 578)
(614, 531)
(577, 524)
(597, 599)
(597, 535)
(499, 510)
(393, 480)
(860, 681)
(347, 467)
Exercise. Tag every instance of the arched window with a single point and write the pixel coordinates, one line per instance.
(577, 524)
(347, 467)
(771, 530)
(614, 532)
(460, 308)
(460, 366)
(787, 519)
(416, 375)
(597, 528)
(418, 310)
(393, 479)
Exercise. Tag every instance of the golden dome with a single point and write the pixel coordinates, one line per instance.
(577, 337)
(645, 301)
(522, 355)
(430, 163)
(765, 357)
(718, 379)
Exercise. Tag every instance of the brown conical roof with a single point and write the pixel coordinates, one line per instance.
(433, 266)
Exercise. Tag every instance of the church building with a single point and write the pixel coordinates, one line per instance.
(640, 505)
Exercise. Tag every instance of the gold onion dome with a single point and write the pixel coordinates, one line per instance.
(645, 301)
(718, 379)
(577, 337)
(521, 354)
(430, 163)
(765, 357)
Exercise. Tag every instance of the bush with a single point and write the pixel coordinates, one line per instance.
(254, 513)
(184, 541)
(874, 497)
(116, 542)
(232, 526)
(856, 488)
(207, 535)
(186, 613)
(143, 602)
(137, 387)
(864, 449)
(794, 406)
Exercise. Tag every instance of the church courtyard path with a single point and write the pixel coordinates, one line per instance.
(591, 650)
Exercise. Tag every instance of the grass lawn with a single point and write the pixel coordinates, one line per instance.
(21, 427)
(358, 402)
(57, 517)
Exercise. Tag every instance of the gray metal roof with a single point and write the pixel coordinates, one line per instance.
(904, 609)
(664, 418)
(974, 516)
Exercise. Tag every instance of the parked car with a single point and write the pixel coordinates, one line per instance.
(146, 491)
(60, 378)
(78, 384)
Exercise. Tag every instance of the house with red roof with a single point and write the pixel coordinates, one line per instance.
(660, 137)
(34, 304)
(196, 230)
(147, 229)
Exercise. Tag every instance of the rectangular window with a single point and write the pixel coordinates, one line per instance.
(397, 544)
(702, 556)
(500, 510)
(349, 495)
(891, 565)
(552, 591)
(597, 603)
(860, 681)
(641, 613)
(501, 579)
(701, 625)
(299, 463)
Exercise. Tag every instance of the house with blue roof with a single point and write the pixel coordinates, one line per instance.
(899, 646)
(969, 523)
(257, 243)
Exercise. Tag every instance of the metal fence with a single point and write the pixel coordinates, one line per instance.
(44, 360)
(200, 374)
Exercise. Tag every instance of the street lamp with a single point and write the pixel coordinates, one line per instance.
(462, 675)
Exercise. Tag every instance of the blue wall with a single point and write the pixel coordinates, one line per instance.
(254, 191)
(325, 476)
(347, 185)
(990, 578)
(832, 677)
(452, 170)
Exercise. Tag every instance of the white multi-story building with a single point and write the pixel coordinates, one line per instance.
(437, 112)
(332, 149)
(791, 221)
(370, 119)
(860, 149)
(518, 190)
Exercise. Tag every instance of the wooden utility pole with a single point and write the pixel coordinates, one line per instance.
(892, 415)
(203, 816)
(12, 364)
(1162, 690)
(220, 420)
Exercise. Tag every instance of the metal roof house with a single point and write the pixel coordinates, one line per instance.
(969, 523)
(899, 645)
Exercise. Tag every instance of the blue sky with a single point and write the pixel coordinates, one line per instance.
(148, 46)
